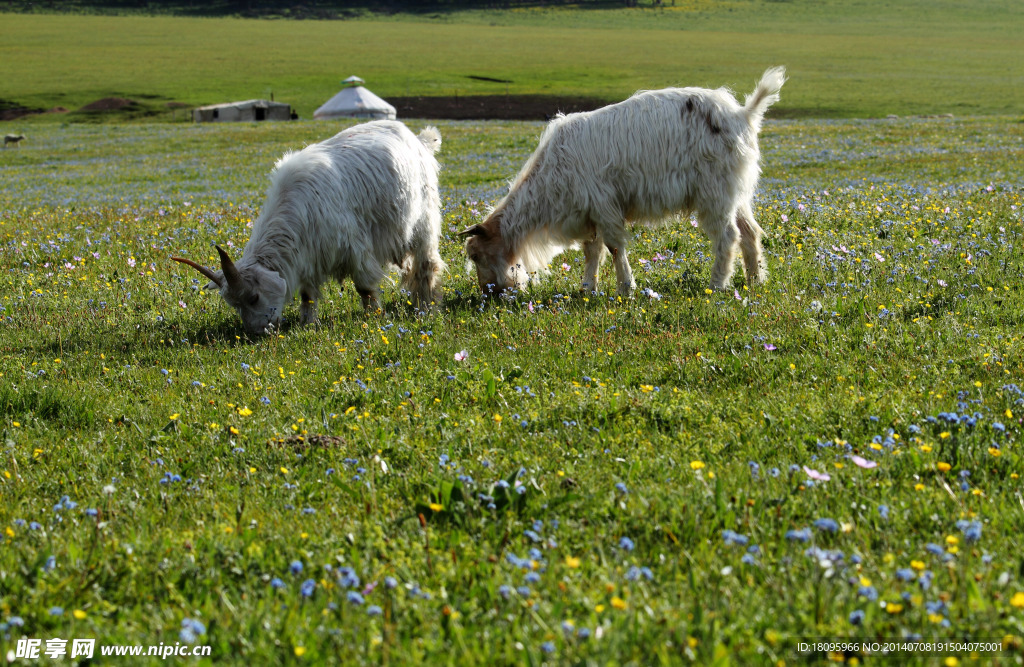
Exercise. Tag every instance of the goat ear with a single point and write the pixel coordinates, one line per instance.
(475, 230)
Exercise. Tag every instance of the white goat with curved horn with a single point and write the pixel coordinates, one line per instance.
(346, 207)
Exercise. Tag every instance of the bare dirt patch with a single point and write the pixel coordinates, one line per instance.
(492, 107)
(109, 104)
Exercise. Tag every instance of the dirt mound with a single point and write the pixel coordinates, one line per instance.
(13, 111)
(492, 107)
(110, 104)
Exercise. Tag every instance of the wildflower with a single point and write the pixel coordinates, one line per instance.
(696, 465)
(348, 578)
(731, 537)
(817, 476)
(619, 603)
(277, 584)
(374, 610)
(856, 617)
(307, 588)
(1018, 600)
(636, 573)
(883, 511)
(943, 466)
(191, 630)
(461, 355)
(868, 593)
(802, 535)
(971, 531)
(626, 544)
(861, 462)
(295, 567)
(826, 525)
(621, 488)
(354, 597)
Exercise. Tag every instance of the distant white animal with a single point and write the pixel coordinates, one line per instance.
(346, 207)
(13, 139)
(677, 150)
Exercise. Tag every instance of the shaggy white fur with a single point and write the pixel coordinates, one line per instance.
(678, 150)
(349, 206)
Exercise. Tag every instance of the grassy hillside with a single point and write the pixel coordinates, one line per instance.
(864, 59)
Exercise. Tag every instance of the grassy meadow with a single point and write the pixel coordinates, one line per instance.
(866, 59)
(550, 478)
(553, 478)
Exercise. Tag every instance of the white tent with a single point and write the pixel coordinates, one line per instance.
(354, 101)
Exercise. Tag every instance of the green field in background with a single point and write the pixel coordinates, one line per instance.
(866, 59)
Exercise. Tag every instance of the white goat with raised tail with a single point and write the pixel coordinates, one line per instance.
(661, 152)
(350, 206)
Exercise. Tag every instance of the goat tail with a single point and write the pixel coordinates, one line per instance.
(430, 138)
(765, 95)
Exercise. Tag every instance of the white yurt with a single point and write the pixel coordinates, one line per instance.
(354, 101)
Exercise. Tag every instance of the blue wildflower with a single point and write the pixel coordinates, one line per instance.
(868, 592)
(856, 617)
(348, 578)
(307, 588)
(626, 544)
(731, 537)
(826, 525)
(191, 630)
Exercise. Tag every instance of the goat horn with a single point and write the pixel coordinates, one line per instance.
(231, 275)
(200, 268)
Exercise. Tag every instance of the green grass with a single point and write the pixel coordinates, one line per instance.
(866, 59)
(214, 462)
